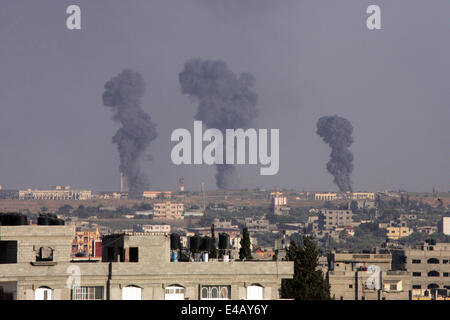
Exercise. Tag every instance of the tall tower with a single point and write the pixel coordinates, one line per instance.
(121, 182)
(181, 184)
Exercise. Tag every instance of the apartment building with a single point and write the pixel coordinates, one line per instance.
(366, 276)
(429, 266)
(35, 264)
(168, 210)
(330, 219)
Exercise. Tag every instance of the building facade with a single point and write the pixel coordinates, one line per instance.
(168, 210)
(330, 219)
(35, 264)
(58, 193)
(366, 276)
(429, 266)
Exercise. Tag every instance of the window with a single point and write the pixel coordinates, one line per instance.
(445, 261)
(417, 286)
(43, 293)
(433, 261)
(254, 292)
(350, 286)
(8, 252)
(44, 254)
(393, 287)
(416, 261)
(131, 293)
(215, 292)
(87, 293)
(134, 254)
(174, 292)
(416, 274)
(445, 274)
(433, 273)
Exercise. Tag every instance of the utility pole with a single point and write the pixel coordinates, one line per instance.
(204, 204)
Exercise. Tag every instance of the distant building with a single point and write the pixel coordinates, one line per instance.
(156, 228)
(193, 214)
(257, 225)
(168, 210)
(58, 193)
(279, 203)
(363, 195)
(325, 196)
(444, 225)
(157, 194)
(395, 233)
(330, 219)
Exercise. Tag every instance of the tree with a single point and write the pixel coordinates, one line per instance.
(245, 252)
(307, 283)
(354, 205)
(213, 251)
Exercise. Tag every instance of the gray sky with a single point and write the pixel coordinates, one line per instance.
(310, 58)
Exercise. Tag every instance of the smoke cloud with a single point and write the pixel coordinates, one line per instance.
(337, 132)
(225, 102)
(123, 94)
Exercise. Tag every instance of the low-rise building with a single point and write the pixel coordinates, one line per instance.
(35, 264)
(257, 224)
(325, 196)
(395, 233)
(366, 276)
(58, 193)
(157, 194)
(156, 228)
(429, 266)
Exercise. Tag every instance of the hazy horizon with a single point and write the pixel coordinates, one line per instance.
(310, 58)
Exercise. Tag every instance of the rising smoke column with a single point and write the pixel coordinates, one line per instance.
(123, 94)
(225, 102)
(337, 132)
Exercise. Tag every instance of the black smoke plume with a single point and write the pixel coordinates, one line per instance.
(225, 102)
(337, 132)
(123, 94)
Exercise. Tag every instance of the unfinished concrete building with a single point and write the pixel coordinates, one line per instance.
(35, 263)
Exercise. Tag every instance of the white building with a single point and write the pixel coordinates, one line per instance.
(444, 226)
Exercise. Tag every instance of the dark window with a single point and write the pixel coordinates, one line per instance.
(134, 254)
(416, 274)
(110, 256)
(416, 261)
(8, 251)
(445, 274)
(350, 286)
(444, 261)
(433, 261)
(433, 273)
(417, 286)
